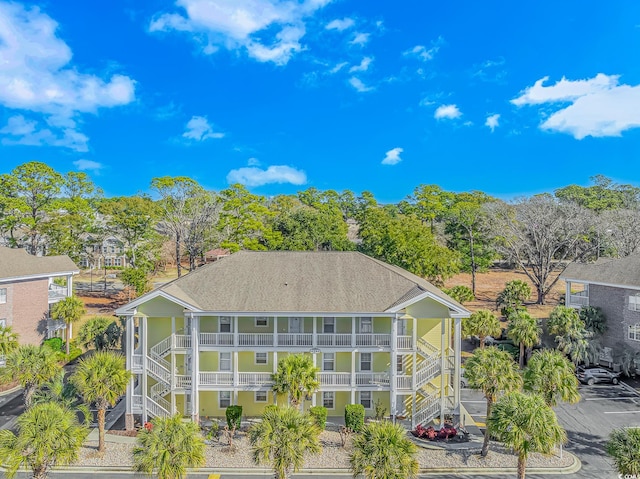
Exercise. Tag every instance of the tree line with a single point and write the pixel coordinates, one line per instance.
(432, 232)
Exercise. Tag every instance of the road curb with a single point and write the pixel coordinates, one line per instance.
(476, 471)
(10, 391)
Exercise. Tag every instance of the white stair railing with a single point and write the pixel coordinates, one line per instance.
(427, 410)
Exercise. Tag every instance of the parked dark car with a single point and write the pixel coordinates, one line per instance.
(597, 375)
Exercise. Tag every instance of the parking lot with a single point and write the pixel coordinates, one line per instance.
(603, 408)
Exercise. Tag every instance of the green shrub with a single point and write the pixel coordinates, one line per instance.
(461, 293)
(74, 353)
(511, 299)
(354, 417)
(270, 407)
(234, 416)
(381, 411)
(319, 415)
(56, 344)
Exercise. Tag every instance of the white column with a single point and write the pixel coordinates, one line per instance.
(314, 339)
(129, 363)
(457, 351)
(236, 336)
(394, 361)
(443, 356)
(275, 370)
(353, 331)
(70, 285)
(236, 373)
(567, 294)
(275, 333)
(143, 386)
(195, 369)
(353, 376)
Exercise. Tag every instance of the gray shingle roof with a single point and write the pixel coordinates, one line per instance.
(285, 281)
(16, 263)
(622, 272)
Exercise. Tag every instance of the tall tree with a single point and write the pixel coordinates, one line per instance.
(481, 323)
(493, 372)
(469, 233)
(383, 451)
(524, 330)
(603, 195)
(8, 341)
(282, 438)
(169, 447)
(525, 424)
(429, 203)
(32, 367)
(552, 376)
(100, 333)
(513, 296)
(48, 435)
(101, 379)
(542, 236)
(571, 334)
(69, 310)
(618, 232)
(296, 376)
(623, 447)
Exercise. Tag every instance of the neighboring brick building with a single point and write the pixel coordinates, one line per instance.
(27, 290)
(613, 285)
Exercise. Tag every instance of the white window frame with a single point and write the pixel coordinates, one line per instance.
(255, 396)
(400, 363)
(370, 361)
(365, 325)
(220, 399)
(360, 399)
(118, 261)
(220, 323)
(634, 332)
(3, 323)
(260, 319)
(221, 359)
(329, 357)
(329, 323)
(634, 302)
(329, 396)
(266, 357)
(3, 295)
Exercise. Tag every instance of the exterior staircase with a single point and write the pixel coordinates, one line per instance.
(160, 370)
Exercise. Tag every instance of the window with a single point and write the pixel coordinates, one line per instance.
(225, 324)
(399, 363)
(3, 295)
(365, 361)
(113, 249)
(225, 362)
(118, 262)
(224, 399)
(634, 303)
(366, 325)
(328, 361)
(3, 323)
(634, 332)
(328, 399)
(365, 399)
(329, 325)
(262, 321)
(261, 358)
(107, 261)
(260, 396)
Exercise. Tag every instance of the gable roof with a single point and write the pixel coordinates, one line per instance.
(624, 272)
(17, 263)
(288, 281)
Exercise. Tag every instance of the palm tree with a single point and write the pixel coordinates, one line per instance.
(493, 372)
(48, 434)
(383, 451)
(482, 323)
(550, 374)
(32, 367)
(101, 378)
(296, 376)
(282, 438)
(623, 447)
(525, 424)
(524, 330)
(64, 393)
(8, 341)
(169, 446)
(69, 310)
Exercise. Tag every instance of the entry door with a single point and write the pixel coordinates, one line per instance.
(295, 325)
(402, 327)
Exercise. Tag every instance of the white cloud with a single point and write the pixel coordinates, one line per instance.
(37, 76)
(392, 156)
(360, 39)
(253, 162)
(359, 85)
(423, 53)
(340, 24)
(338, 67)
(199, 129)
(88, 165)
(493, 121)
(450, 112)
(20, 131)
(252, 176)
(363, 67)
(243, 24)
(598, 106)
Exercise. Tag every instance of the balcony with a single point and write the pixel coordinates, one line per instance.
(57, 293)
(302, 340)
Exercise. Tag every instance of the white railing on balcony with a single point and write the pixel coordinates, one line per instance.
(579, 299)
(57, 292)
(136, 361)
(183, 381)
(373, 340)
(157, 370)
(372, 379)
(403, 382)
(404, 342)
(158, 409)
(255, 339)
(216, 339)
(334, 379)
(182, 341)
(162, 348)
(254, 379)
(216, 379)
(295, 339)
(427, 410)
(335, 340)
(427, 370)
(159, 390)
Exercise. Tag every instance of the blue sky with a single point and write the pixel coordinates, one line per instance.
(506, 97)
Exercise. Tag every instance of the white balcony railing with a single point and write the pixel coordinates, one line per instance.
(182, 341)
(255, 339)
(216, 379)
(323, 340)
(254, 379)
(333, 340)
(295, 339)
(216, 339)
(334, 379)
(404, 342)
(373, 340)
(372, 379)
